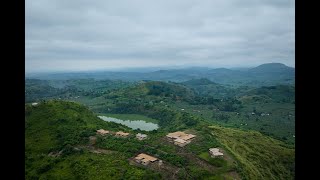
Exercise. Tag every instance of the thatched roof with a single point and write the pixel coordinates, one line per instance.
(180, 135)
(145, 158)
(120, 133)
(102, 131)
(215, 152)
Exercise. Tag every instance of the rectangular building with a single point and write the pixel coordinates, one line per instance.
(145, 159)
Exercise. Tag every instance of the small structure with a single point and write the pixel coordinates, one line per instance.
(145, 159)
(180, 138)
(102, 132)
(181, 142)
(34, 104)
(180, 135)
(141, 136)
(122, 134)
(215, 152)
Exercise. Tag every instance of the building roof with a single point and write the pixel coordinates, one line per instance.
(122, 133)
(180, 141)
(141, 135)
(176, 134)
(181, 135)
(145, 158)
(215, 152)
(102, 131)
(187, 137)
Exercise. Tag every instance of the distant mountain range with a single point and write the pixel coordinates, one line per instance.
(265, 74)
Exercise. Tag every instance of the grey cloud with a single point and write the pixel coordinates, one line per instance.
(78, 34)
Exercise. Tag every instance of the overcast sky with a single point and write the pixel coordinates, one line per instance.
(102, 34)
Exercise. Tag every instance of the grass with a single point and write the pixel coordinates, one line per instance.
(260, 157)
(219, 162)
(56, 125)
(86, 166)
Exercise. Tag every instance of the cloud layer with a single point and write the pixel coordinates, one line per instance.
(85, 35)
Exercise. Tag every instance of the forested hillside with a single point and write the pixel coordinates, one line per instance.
(58, 146)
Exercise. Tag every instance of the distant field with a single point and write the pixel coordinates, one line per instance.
(261, 157)
(279, 124)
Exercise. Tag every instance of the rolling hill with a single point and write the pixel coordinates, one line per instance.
(265, 74)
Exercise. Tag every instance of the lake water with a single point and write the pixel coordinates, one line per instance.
(134, 124)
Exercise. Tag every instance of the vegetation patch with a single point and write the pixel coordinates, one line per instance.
(260, 157)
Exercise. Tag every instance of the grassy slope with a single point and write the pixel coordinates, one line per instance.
(261, 157)
(55, 126)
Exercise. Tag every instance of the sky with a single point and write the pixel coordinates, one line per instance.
(78, 35)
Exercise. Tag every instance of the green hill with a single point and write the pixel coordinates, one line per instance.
(197, 82)
(279, 93)
(272, 68)
(261, 157)
(55, 134)
(205, 87)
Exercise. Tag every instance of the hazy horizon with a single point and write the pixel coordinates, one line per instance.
(142, 69)
(68, 36)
